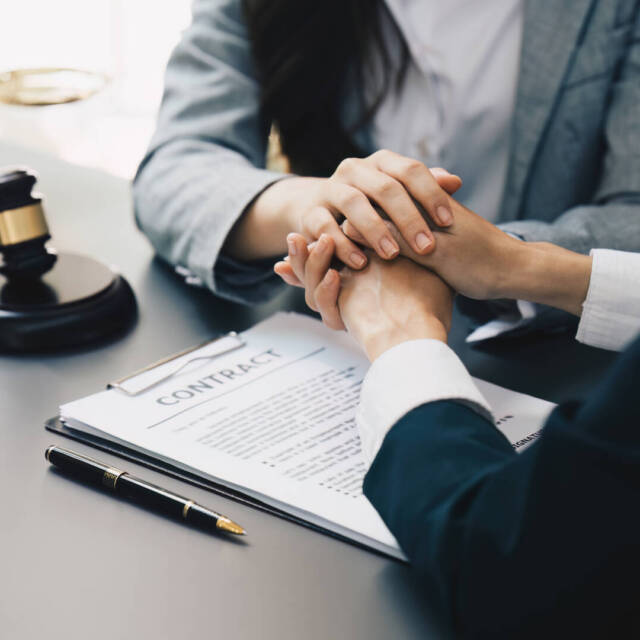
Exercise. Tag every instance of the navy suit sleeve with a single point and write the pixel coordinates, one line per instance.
(513, 545)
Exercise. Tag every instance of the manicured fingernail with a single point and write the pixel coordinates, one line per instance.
(422, 241)
(444, 215)
(292, 246)
(389, 247)
(358, 259)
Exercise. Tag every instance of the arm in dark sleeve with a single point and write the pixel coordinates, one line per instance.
(510, 544)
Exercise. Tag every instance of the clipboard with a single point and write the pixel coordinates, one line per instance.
(164, 369)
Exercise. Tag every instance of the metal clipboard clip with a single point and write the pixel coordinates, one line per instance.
(140, 381)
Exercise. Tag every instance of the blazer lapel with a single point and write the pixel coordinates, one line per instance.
(550, 33)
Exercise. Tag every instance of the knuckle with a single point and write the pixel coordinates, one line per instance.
(351, 199)
(381, 154)
(413, 168)
(346, 166)
(387, 188)
(326, 225)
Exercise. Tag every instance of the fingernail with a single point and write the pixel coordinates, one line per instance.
(292, 247)
(329, 277)
(389, 247)
(444, 215)
(422, 241)
(358, 259)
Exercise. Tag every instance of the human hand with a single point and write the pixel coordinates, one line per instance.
(364, 191)
(472, 255)
(393, 302)
(386, 309)
(480, 261)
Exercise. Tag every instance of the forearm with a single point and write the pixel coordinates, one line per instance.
(262, 230)
(547, 274)
(499, 538)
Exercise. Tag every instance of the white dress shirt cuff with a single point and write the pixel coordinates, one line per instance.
(405, 377)
(611, 312)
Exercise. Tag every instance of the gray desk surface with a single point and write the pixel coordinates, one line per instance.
(76, 563)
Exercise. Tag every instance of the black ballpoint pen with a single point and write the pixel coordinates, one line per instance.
(138, 490)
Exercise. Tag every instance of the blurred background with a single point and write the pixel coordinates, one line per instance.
(127, 42)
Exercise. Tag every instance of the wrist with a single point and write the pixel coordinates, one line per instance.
(545, 273)
(262, 229)
(377, 341)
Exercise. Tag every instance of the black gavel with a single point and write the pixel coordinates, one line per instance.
(51, 301)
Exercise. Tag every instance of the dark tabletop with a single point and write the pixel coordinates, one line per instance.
(76, 563)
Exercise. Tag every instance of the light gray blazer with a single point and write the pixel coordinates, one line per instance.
(574, 170)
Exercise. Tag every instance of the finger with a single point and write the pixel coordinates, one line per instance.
(326, 297)
(407, 251)
(392, 197)
(354, 205)
(351, 232)
(285, 271)
(418, 181)
(298, 254)
(448, 181)
(316, 267)
(320, 221)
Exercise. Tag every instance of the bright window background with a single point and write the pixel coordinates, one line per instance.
(129, 39)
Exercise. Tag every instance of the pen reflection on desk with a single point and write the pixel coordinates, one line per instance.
(139, 491)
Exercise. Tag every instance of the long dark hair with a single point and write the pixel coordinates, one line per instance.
(308, 54)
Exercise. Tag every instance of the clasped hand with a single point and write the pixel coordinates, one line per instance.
(410, 297)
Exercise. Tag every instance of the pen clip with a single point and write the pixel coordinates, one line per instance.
(236, 342)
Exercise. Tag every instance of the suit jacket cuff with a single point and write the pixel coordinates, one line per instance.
(405, 377)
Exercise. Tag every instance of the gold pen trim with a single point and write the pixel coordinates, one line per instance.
(110, 477)
(186, 507)
(229, 526)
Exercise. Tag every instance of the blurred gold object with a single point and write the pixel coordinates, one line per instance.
(22, 224)
(47, 86)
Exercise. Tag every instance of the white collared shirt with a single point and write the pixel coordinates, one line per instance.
(420, 371)
(456, 106)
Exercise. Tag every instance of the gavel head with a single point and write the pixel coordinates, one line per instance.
(23, 228)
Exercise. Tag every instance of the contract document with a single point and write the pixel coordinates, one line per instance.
(271, 414)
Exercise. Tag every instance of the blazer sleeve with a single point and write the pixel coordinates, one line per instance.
(512, 545)
(615, 211)
(205, 163)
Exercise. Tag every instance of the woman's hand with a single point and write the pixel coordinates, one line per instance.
(363, 191)
(480, 261)
(393, 302)
(474, 256)
(382, 305)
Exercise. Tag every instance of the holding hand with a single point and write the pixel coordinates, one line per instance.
(382, 305)
(393, 302)
(361, 190)
(474, 256)
(480, 261)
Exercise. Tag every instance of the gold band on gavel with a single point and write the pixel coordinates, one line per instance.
(22, 224)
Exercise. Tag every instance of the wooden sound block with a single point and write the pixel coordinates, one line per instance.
(77, 302)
